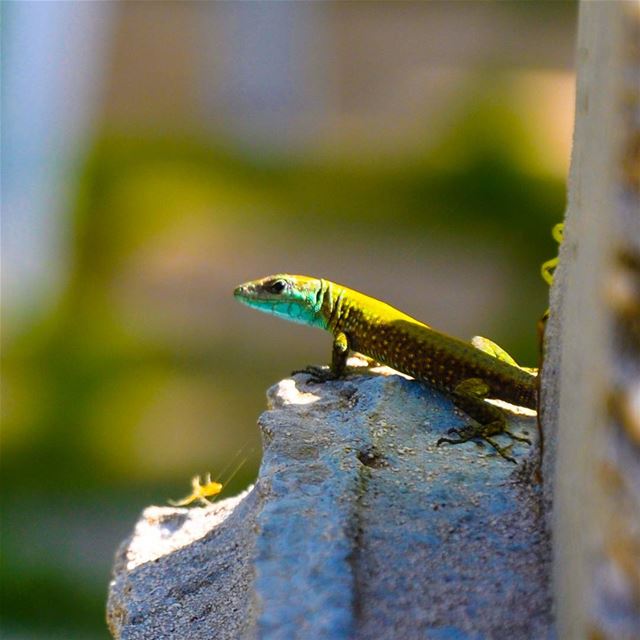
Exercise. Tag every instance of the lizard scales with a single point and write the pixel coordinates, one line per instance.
(378, 330)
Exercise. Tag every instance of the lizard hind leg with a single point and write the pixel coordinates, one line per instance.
(491, 421)
(495, 350)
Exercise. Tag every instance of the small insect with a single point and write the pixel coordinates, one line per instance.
(202, 491)
(199, 491)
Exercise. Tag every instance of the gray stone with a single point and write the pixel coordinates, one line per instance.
(359, 526)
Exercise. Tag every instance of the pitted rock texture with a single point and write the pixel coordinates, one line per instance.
(359, 526)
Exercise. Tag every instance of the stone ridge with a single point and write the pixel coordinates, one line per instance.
(358, 527)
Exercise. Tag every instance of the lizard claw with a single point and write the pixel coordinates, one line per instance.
(458, 432)
(513, 436)
(503, 452)
(470, 433)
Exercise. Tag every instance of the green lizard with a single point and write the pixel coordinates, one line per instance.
(468, 372)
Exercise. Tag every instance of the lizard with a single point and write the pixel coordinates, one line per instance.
(469, 372)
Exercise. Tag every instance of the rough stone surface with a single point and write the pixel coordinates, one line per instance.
(184, 572)
(358, 527)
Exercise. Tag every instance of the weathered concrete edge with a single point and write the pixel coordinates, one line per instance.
(595, 474)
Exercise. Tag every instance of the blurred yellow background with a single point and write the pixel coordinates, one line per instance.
(156, 154)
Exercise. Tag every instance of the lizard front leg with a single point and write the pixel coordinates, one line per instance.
(339, 355)
(491, 421)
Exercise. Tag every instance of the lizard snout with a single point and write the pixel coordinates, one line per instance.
(243, 290)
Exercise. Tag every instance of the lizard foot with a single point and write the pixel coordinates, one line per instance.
(481, 432)
(514, 436)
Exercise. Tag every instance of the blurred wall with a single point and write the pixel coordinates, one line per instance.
(52, 73)
(331, 76)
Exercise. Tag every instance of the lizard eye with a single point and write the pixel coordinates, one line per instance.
(278, 286)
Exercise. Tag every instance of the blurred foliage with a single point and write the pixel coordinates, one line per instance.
(78, 383)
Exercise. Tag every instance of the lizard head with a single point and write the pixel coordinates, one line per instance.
(294, 298)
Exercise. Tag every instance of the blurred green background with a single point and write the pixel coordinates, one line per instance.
(157, 154)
